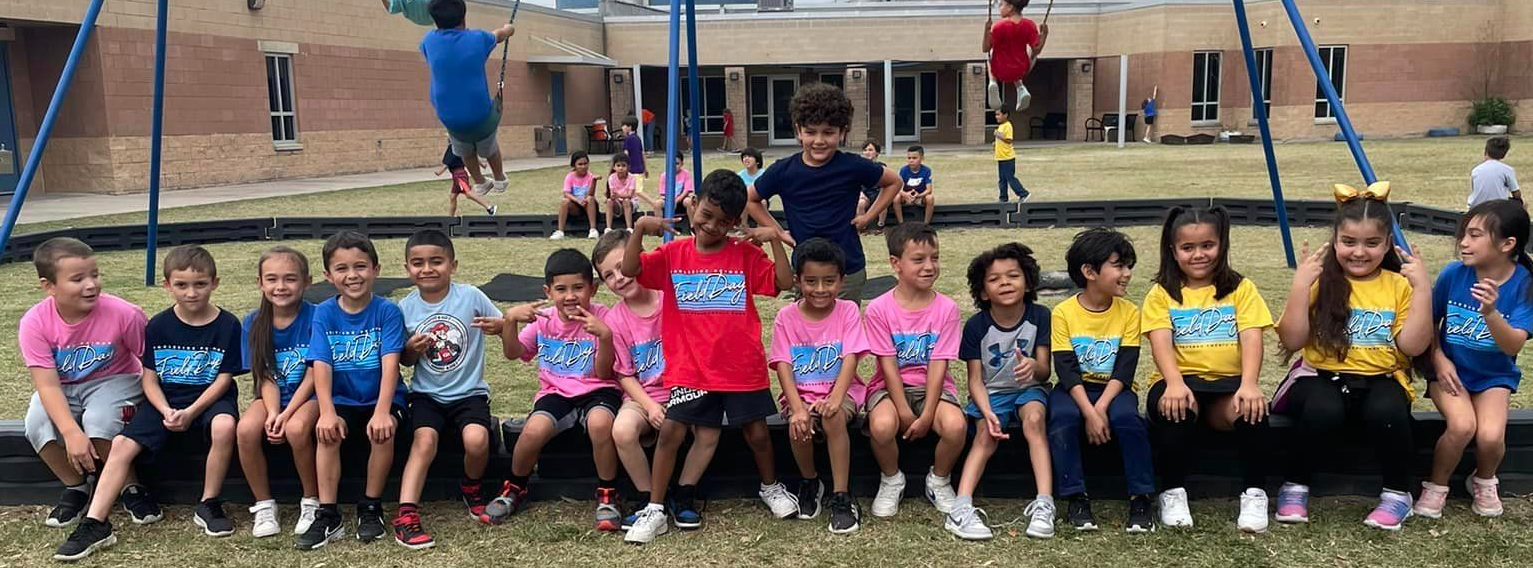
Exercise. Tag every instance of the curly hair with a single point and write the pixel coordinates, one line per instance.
(821, 104)
(1009, 251)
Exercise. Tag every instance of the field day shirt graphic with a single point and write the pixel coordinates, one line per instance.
(188, 355)
(290, 349)
(564, 353)
(107, 342)
(712, 291)
(1378, 308)
(354, 345)
(452, 368)
(1206, 330)
(817, 350)
(913, 337)
(1095, 337)
(637, 349)
(1466, 339)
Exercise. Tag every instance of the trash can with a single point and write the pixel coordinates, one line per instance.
(543, 141)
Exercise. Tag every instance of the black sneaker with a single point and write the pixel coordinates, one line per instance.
(809, 493)
(71, 507)
(91, 535)
(211, 519)
(1139, 518)
(1080, 513)
(370, 520)
(140, 505)
(325, 529)
(683, 507)
(845, 515)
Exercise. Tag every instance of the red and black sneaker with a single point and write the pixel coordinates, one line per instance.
(508, 503)
(409, 533)
(473, 498)
(609, 518)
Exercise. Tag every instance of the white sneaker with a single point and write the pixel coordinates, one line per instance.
(557, 235)
(608, 230)
(498, 186)
(1173, 508)
(1041, 511)
(1253, 511)
(492, 209)
(483, 188)
(890, 489)
(1147, 140)
(777, 498)
(308, 507)
(265, 519)
(650, 523)
(939, 490)
(593, 234)
(969, 523)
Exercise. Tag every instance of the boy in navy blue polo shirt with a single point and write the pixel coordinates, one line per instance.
(918, 186)
(191, 355)
(459, 89)
(820, 185)
(354, 349)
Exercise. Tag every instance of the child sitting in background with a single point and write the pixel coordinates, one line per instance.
(1493, 179)
(870, 151)
(579, 194)
(685, 197)
(623, 193)
(460, 184)
(918, 186)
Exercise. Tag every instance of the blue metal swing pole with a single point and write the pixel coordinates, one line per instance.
(45, 130)
(156, 131)
(1259, 109)
(1334, 100)
(693, 81)
(672, 108)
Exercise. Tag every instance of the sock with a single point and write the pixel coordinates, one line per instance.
(812, 480)
(1045, 498)
(517, 480)
(330, 509)
(1429, 485)
(408, 508)
(83, 487)
(656, 507)
(641, 497)
(369, 499)
(266, 503)
(1295, 487)
(964, 501)
(606, 483)
(1483, 480)
(765, 486)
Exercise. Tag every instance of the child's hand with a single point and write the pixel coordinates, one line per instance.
(654, 413)
(274, 426)
(1025, 369)
(919, 428)
(1447, 376)
(1415, 272)
(175, 421)
(490, 326)
(907, 417)
(1250, 403)
(330, 429)
(1486, 292)
(800, 426)
(862, 221)
(829, 406)
(593, 325)
(380, 429)
(82, 453)
(526, 313)
(419, 343)
(1097, 431)
(1176, 401)
(993, 426)
(656, 226)
(1312, 264)
(763, 235)
(1043, 31)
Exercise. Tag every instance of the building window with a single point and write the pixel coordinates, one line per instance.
(1205, 86)
(713, 103)
(928, 96)
(836, 79)
(1264, 74)
(989, 114)
(761, 105)
(279, 95)
(1335, 59)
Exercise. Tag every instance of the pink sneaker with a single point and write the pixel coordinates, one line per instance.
(1487, 496)
(1430, 503)
(1390, 514)
(1293, 504)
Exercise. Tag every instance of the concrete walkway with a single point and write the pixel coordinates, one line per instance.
(65, 205)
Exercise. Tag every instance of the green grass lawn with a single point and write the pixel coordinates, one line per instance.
(1432, 171)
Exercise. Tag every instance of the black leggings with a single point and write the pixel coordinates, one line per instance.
(1174, 440)
(1322, 406)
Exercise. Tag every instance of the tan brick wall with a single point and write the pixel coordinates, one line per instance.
(974, 83)
(856, 81)
(1082, 92)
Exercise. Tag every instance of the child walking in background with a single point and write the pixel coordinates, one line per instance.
(1483, 307)
(816, 343)
(914, 331)
(275, 344)
(460, 184)
(1095, 338)
(460, 91)
(1359, 308)
(633, 148)
(579, 195)
(729, 132)
(1204, 322)
(1006, 159)
(1006, 347)
(82, 348)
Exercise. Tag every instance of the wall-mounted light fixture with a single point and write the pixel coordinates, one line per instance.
(734, 75)
(617, 79)
(977, 70)
(1085, 67)
(856, 73)
(255, 4)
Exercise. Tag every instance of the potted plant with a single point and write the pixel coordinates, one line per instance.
(1491, 115)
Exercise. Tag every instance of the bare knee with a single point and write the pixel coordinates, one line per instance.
(757, 436)
(599, 426)
(1489, 436)
(222, 429)
(476, 439)
(883, 428)
(250, 432)
(625, 434)
(1461, 428)
(425, 441)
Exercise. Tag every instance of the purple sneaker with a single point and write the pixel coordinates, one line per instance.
(1394, 507)
(1292, 504)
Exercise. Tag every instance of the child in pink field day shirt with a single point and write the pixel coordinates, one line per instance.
(573, 351)
(82, 348)
(686, 196)
(915, 332)
(816, 342)
(579, 194)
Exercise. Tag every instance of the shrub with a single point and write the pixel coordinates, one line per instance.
(1491, 111)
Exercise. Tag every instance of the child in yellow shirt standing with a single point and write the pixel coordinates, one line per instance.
(1006, 158)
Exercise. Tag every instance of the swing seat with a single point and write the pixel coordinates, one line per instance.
(413, 10)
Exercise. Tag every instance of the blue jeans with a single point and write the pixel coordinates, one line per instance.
(1128, 429)
(1008, 179)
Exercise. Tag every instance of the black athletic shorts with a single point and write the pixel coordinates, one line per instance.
(148, 426)
(451, 417)
(695, 407)
(566, 412)
(357, 417)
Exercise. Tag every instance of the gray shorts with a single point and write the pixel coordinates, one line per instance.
(101, 406)
(481, 148)
(915, 396)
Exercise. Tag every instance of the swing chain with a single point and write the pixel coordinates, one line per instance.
(505, 53)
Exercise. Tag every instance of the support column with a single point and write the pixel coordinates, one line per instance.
(856, 81)
(620, 84)
(1082, 98)
(974, 109)
(888, 105)
(735, 95)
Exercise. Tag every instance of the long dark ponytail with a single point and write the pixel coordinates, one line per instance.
(1331, 311)
(1504, 219)
(1170, 277)
(263, 357)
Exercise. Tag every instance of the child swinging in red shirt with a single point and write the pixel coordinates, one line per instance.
(1013, 44)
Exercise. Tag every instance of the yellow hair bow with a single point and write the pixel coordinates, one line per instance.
(1378, 191)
